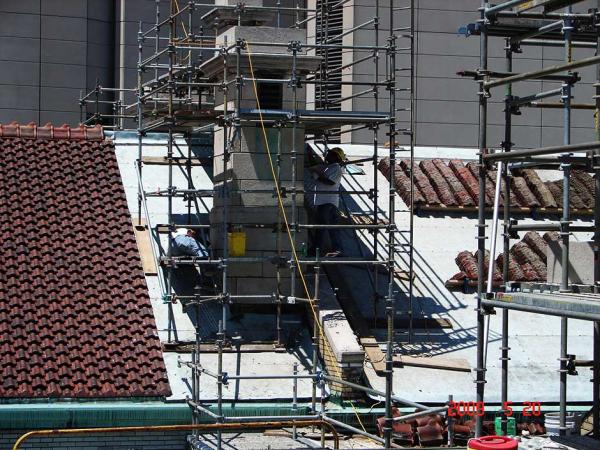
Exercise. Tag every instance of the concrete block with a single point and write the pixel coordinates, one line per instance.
(256, 166)
(244, 193)
(252, 140)
(262, 34)
(581, 262)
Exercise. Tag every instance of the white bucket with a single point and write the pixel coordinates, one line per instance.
(552, 423)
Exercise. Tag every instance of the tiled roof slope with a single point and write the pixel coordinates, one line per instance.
(527, 262)
(455, 185)
(75, 316)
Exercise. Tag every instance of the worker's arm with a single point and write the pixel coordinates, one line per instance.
(319, 171)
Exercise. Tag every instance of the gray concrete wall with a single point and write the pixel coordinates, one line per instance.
(447, 108)
(49, 51)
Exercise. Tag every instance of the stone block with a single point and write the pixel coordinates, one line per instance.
(581, 262)
(252, 140)
(262, 34)
(257, 166)
(258, 193)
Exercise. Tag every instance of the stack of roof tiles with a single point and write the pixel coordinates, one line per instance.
(527, 262)
(456, 185)
(75, 316)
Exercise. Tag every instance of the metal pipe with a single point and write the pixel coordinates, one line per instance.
(563, 375)
(542, 72)
(295, 399)
(355, 430)
(122, 57)
(493, 239)
(389, 306)
(190, 427)
(596, 382)
(420, 414)
(520, 101)
(543, 29)
(490, 12)
(524, 153)
(506, 146)
(375, 392)
(552, 43)
(480, 369)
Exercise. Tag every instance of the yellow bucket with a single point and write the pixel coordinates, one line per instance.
(237, 243)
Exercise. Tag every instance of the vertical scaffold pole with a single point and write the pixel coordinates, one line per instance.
(480, 370)
(140, 119)
(596, 369)
(412, 178)
(389, 307)
(506, 145)
(564, 284)
(172, 330)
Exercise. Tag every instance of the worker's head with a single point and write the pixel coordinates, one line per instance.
(335, 155)
(191, 233)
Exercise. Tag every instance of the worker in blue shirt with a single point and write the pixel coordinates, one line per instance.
(184, 243)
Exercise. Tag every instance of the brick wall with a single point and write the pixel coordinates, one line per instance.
(172, 440)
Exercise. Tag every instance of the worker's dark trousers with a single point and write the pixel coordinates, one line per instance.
(328, 214)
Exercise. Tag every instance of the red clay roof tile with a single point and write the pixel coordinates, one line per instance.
(527, 262)
(455, 184)
(75, 321)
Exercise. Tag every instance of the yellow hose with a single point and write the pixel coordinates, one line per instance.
(190, 427)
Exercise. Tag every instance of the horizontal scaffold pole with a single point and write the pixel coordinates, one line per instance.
(547, 71)
(524, 153)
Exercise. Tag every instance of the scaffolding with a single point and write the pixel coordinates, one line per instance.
(176, 95)
(537, 24)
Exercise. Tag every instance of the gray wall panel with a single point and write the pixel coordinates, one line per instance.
(21, 6)
(19, 97)
(19, 25)
(64, 28)
(19, 73)
(19, 49)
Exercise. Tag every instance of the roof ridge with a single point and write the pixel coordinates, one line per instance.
(49, 131)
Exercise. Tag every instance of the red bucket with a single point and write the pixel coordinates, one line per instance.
(493, 443)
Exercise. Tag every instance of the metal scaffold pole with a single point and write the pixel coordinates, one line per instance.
(507, 146)
(480, 369)
(389, 307)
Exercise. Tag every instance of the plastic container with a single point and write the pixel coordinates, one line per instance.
(237, 243)
(511, 429)
(552, 423)
(493, 443)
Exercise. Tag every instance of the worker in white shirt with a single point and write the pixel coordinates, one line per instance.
(326, 199)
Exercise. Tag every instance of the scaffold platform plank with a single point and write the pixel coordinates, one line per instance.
(576, 306)
(144, 242)
(434, 362)
(180, 161)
